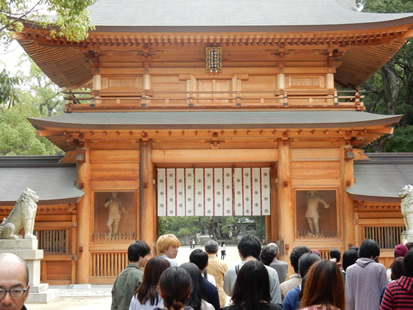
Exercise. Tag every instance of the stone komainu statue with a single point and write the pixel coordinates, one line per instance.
(21, 216)
(407, 206)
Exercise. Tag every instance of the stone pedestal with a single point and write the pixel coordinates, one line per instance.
(28, 250)
(407, 236)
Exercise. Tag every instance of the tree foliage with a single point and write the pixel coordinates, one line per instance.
(69, 18)
(217, 227)
(390, 90)
(38, 98)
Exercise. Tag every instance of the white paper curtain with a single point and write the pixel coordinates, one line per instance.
(213, 191)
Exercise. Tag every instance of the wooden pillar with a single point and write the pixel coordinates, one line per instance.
(83, 219)
(285, 212)
(349, 238)
(271, 222)
(147, 211)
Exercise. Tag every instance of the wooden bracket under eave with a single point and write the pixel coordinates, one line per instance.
(70, 157)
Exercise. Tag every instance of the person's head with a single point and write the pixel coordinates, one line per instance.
(335, 254)
(168, 244)
(349, 258)
(295, 255)
(324, 285)
(249, 245)
(275, 247)
(305, 262)
(197, 293)
(409, 245)
(138, 253)
(199, 258)
(153, 270)
(175, 287)
(400, 250)
(267, 255)
(397, 268)
(408, 264)
(14, 278)
(369, 249)
(316, 252)
(211, 247)
(252, 286)
(222, 243)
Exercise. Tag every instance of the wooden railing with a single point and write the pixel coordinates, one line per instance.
(108, 264)
(105, 100)
(52, 241)
(386, 237)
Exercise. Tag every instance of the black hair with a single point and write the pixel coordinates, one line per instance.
(249, 245)
(252, 286)
(349, 258)
(408, 263)
(267, 255)
(305, 262)
(199, 258)
(369, 248)
(211, 246)
(175, 286)
(137, 250)
(335, 253)
(295, 255)
(198, 291)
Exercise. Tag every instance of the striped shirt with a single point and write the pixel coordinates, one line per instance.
(398, 294)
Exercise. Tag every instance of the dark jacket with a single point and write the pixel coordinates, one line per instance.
(125, 286)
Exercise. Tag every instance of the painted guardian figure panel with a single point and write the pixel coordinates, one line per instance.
(316, 214)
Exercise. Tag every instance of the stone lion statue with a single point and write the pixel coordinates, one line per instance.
(21, 216)
(406, 194)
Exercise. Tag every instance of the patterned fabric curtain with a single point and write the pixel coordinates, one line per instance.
(213, 191)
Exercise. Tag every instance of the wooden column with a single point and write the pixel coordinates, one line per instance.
(347, 211)
(285, 213)
(83, 219)
(147, 218)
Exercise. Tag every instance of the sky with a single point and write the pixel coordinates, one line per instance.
(9, 58)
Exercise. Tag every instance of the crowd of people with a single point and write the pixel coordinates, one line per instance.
(354, 280)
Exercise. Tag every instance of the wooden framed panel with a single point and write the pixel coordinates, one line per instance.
(114, 215)
(316, 214)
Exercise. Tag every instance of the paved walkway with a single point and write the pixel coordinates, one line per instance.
(99, 296)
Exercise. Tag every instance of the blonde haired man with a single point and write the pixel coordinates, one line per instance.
(167, 246)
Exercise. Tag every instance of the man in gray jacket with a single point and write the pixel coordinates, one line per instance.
(249, 248)
(365, 279)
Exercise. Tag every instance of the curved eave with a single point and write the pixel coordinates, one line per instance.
(374, 198)
(277, 28)
(381, 180)
(214, 120)
(369, 126)
(54, 185)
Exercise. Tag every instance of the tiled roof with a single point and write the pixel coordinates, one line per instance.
(197, 13)
(382, 177)
(219, 119)
(53, 182)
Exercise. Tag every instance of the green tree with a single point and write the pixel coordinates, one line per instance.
(63, 18)
(18, 136)
(38, 98)
(69, 18)
(390, 90)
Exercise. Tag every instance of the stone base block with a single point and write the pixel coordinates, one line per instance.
(80, 286)
(42, 295)
(407, 236)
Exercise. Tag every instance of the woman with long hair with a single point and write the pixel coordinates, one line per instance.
(175, 287)
(198, 298)
(324, 287)
(252, 289)
(146, 296)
